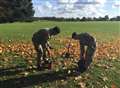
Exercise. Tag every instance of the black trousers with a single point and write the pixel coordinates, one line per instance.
(41, 53)
(85, 62)
(89, 55)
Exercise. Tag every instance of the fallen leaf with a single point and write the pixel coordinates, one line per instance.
(78, 78)
(82, 85)
(113, 86)
(26, 73)
(69, 71)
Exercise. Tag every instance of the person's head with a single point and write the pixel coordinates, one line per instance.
(75, 36)
(54, 31)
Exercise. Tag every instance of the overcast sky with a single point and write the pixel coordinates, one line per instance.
(76, 8)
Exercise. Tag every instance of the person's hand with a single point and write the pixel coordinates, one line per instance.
(51, 47)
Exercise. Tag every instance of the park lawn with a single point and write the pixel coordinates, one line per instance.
(16, 73)
(23, 31)
(102, 74)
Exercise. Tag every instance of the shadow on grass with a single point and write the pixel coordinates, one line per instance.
(14, 70)
(10, 70)
(41, 77)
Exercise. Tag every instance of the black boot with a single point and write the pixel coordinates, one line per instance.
(40, 66)
(48, 64)
(81, 66)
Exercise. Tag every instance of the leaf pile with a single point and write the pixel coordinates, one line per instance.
(109, 50)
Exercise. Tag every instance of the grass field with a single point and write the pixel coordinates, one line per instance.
(23, 31)
(17, 58)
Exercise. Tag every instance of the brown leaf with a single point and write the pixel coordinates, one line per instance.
(82, 85)
(113, 86)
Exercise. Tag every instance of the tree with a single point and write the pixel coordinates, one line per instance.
(118, 18)
(5, 12)
(106, 18)
(95, 19)
(77, 19)
(23, 9)
(83, 19)
(15, 10)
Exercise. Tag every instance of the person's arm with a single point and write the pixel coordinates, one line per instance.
(82, 51)
(48, 45)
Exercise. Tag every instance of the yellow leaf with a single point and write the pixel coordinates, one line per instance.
(1, 50)
(26, 73)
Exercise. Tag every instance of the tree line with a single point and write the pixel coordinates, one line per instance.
(105, 18)
(22, 10)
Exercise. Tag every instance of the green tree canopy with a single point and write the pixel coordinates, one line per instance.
(14, 10)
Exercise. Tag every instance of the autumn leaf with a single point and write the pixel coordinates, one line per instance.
(1, 50)
(109, 50)
(82, 85)
(104, 78)
(113, 86)
(78, 78)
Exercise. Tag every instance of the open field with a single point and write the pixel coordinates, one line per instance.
(23, 31)
(17, 56)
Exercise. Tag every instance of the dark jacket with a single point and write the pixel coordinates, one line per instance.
(41, 37)
(86, 39)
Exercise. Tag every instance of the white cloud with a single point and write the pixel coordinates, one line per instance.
(43, 9)
(116, 8)
(93, 11)
(38, 10)
(67, 1)
(101, 1)
(71, 8)
(116, 4)
(68, 4)
(84, 8)
(48, 4)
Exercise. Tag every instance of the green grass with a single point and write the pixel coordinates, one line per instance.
(14, 73)
(103, 73)
(23, 31)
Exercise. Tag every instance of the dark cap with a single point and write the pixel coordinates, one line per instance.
(74, 34)
(56, 29)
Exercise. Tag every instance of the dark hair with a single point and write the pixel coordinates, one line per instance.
(74, 34)
(56, 30)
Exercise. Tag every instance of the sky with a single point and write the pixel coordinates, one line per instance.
(76, 8)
